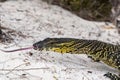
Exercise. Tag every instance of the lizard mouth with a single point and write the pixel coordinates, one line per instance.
(35, 47)
(38, 45)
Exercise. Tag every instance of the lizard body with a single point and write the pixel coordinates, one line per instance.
(98, 50)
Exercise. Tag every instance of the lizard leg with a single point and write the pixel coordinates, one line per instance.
(112, 76)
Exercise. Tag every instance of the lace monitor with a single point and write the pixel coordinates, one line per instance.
(105, 52)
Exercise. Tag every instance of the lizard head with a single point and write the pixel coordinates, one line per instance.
(54, 44)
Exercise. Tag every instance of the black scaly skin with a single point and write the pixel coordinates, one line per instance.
(108, 53)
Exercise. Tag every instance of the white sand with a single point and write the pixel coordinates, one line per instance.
(34, 20)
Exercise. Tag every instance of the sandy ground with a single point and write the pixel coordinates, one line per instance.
(34, 20)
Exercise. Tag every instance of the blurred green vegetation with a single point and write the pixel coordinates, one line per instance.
(99, 10)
